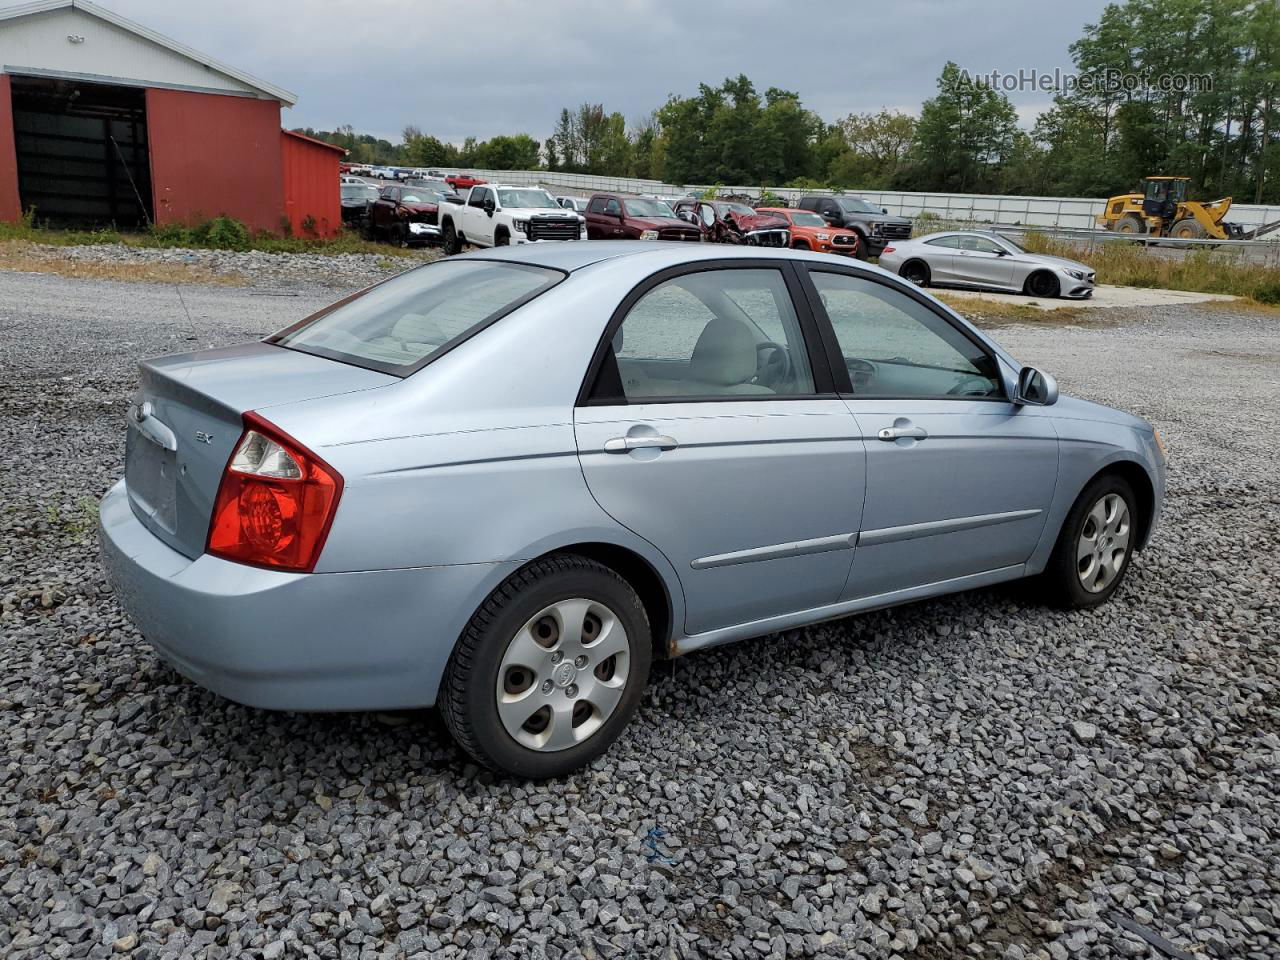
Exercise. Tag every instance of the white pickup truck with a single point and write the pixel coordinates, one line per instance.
(494, 215)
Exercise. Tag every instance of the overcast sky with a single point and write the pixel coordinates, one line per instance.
(484, 67)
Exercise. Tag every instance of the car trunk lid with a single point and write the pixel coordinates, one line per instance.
(185, 421)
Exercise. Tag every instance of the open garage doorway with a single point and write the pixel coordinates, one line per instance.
(82, 152)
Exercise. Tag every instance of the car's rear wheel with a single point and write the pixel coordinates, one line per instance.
(1094, 547)
(451, 244)
(1042, 284)
(915, 271)
(549, 670)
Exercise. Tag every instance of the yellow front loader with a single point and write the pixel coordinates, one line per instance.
(1163, 210)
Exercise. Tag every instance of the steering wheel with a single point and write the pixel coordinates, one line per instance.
(773, 364)
(971, 386)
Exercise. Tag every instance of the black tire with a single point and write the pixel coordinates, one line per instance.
(1188, 228)
(862, 254)
(1042, 284)
(467, 699)
(916, 272)
(400, 235)
(501, 238)
(452, 246)
(370, 230)
(1060, 584)
(1130, 223)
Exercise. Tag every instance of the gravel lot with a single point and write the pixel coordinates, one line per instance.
(254, 268)
(969, 777)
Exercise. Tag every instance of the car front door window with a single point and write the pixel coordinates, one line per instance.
(895, 346)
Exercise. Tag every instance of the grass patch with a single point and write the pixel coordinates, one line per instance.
(25, 257)
(220, 233)
(1126, 264)
(978, 307)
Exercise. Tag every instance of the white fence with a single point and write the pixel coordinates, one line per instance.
(1077, 213)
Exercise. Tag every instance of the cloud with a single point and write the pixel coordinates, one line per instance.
(487, 67)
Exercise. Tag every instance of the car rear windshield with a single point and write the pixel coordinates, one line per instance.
(403, 324)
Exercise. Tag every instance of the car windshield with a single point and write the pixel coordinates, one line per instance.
(358, 191)
(400, 325)
(526, 199)
(856, 205)
(738, 209)
(807, 220)
(420, 196)
(645, 207)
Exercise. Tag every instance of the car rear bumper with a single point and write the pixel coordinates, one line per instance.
(369, 640)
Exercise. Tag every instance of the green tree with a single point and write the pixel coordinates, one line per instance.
(964, 133)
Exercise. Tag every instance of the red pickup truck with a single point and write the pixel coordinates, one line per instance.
(614, 216)
(463, 181)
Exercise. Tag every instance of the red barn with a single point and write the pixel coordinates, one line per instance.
(103, 121)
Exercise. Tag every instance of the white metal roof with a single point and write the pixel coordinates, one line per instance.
(63, 60)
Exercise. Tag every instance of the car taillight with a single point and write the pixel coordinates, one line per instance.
(275, 503)
(886, 250)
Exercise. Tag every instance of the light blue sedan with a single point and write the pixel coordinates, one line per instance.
(504, 483)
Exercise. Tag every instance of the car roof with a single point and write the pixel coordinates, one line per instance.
(573, 255)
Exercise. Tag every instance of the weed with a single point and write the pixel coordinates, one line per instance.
(1199, 271)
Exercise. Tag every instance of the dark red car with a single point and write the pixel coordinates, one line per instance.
(406, 214)
(614, 216)
(463, 181)
(727, 221)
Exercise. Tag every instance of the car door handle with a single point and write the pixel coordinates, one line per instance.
(627, 444)
(903, 433)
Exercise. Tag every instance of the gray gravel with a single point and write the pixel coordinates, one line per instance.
(310, 270)
(969, 777)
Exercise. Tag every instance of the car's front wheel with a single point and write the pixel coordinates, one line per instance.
(452, 245)
(1094, 547)
(549, 670)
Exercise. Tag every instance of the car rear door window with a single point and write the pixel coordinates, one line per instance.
(596, 205)
(721, 334)
(895, 346)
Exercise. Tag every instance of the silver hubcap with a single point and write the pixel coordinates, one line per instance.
(563, 675)
(1104, 543)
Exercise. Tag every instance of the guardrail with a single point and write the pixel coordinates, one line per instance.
(970, 208)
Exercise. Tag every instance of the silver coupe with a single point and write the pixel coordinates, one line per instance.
(504, 483)
(973, 258)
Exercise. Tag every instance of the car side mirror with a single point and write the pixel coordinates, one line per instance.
(1001, 252)
(884, 209)
(1035, 388)
(489, 206)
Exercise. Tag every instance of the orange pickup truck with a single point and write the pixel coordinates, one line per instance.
(810, 232)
